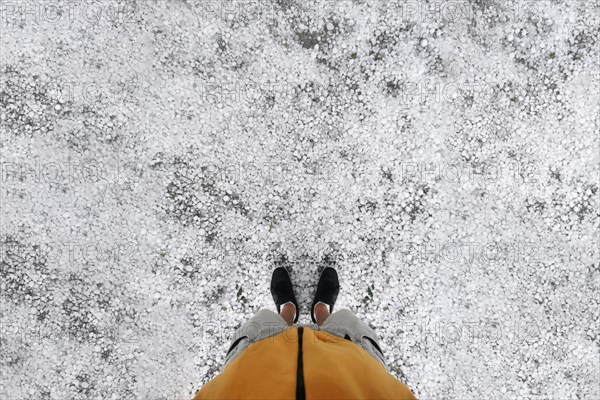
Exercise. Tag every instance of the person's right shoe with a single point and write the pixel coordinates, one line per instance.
(327, 290)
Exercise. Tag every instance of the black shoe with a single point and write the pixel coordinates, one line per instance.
(282, 290)
(327, 290)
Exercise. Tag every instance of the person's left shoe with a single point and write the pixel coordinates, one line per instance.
(282, 290)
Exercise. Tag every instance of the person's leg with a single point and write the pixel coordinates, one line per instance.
(288, 312)
(321, 313)
(264, 324)
(328, 288)
(282, 291)
(344, 324)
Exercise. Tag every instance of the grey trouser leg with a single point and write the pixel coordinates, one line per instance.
(265, 323)
(345, 324)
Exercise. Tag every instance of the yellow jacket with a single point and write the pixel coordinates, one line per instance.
(301, 363)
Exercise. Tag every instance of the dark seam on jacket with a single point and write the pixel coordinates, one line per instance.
(300, 390)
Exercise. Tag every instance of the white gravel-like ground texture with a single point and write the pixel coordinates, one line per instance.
(159, 158)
